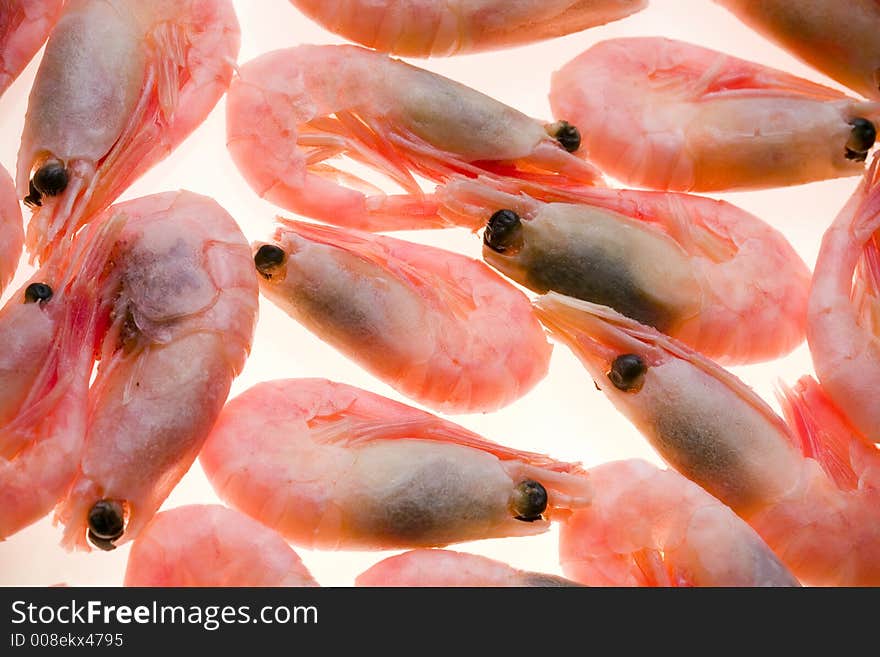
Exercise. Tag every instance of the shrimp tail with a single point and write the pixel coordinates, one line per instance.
(821, 432)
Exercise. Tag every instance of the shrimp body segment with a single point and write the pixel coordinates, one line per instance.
(24, 27)
(210, 545)
(441, 328)
(291, 111)
(121, 84)
(785, 482)
(837, 38)
(669, 115)
(49, 330)
(703, 271)
(184, 309)
(445, 568)
(11, 230)
(652, 527)
(439, 28)
(843, 327)
(330, 466)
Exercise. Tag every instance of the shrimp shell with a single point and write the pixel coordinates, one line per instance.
(24, 27)
(11, 230)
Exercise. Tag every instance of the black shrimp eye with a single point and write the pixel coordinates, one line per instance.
(269, 258)
(529, 501)
(37, 292)
(503, 232)
(34, 199)
(861, 139)
(51, 179)
(106, 523)
(568, 136)
(628, 372)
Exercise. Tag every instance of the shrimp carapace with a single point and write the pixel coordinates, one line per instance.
(330, 466)
(698, 120)
(122, 83)
(290, 113)
(441, 328)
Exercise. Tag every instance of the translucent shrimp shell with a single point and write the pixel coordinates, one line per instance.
(669, 115)
(441, 328)
(330, 466)
(11, 230)
(437, 28)
(24, 26)
(210, 545)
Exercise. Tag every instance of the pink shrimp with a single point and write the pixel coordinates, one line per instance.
(438, 28)
(289, 111)
(122, 83)
(843, 327)
(11, 230)
(444, 568)
(210, 545)
(808, 491)
(331, 466)
(24, 27)
(703, 271)
(837, 38)
(670, 115)
(439, 327)
(49, 330)
(184, 309)
(652, 527)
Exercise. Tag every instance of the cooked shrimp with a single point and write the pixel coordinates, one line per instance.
(49, 330)
(808, 493)
(290, 111)
(210, 545)
(444, 568)
(704, 271)
(837, 38)
(121, 84)
(330, 466)
(438, 28)
(24, 27)
(11, 230)
(652, 527)
(843, 327)
(184, 311)
(670, 115)
(439, 327)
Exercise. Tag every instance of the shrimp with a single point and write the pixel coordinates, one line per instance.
(837, 38)
(843, 326)
(330, 466)
(49, 330)
(441, 328)
(24, 27)
(439, 28)
(121, 84)
(703, 271)
(210, 545)
(653, 527)
(11, 230)
(669, 115)
(444, 568)
(183, 311)
(290, 111)
(809, 491)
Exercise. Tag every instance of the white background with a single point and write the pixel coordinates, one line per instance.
(564, 415)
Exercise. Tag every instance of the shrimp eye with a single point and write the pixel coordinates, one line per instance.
(106, 523)
(51, 179)
(503, 232)
(37, 292)
(529, 501)
(34, 199)
(628, 372)
(269, 258)
(861, 139)
(568, 136)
